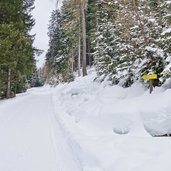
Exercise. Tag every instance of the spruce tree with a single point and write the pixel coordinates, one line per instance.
(58, 62)
(17, 52)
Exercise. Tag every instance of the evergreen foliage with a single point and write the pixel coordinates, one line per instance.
(58, 62)
(17, 52)
(130, 41)
(125, 40)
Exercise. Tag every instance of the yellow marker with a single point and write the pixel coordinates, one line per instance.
(149, 77)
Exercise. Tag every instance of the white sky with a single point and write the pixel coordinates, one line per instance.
(41, 14)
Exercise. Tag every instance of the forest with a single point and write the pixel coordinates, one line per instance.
(92, 106)
(17, 54)
(124, 40)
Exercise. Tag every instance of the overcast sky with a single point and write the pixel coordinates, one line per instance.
(41, 14)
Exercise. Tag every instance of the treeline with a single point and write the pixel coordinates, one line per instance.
(17, 62)
(124, 39)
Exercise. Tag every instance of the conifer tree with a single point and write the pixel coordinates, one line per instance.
(57, 57)
(17, 52)
(137, 45)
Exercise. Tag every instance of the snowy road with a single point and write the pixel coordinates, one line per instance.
(77, 126)
(29, 138)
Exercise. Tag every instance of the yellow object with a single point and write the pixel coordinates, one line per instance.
(149, 77)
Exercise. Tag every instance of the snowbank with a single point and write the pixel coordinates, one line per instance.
(114, 126)
(104, 109)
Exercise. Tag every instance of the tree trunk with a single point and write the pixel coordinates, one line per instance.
(72, 61)
(9, 84)
(79, 57)
(84, 63)
(89, 55)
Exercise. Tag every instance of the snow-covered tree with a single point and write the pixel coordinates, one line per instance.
(58, 61)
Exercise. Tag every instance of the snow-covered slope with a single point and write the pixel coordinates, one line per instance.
(106, 109)
(86, 126)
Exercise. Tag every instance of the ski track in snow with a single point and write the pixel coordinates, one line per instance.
(31, 139)
(70, 128)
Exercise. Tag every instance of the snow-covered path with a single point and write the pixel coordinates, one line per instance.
(85, 126)
(29, 138)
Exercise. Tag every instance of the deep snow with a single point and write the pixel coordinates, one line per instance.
(86, 126)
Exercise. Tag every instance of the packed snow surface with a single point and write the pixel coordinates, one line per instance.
(86, 126)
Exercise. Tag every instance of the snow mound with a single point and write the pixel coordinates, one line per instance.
(105, 108)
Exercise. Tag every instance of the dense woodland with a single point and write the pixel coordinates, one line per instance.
(123, 39)
(17, 62)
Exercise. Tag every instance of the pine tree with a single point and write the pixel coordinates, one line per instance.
(17, 52)
(165, 40)
(110, 56)
(58, 59)
(91, 27)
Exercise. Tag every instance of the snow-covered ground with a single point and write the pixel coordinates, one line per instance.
(86, 126)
